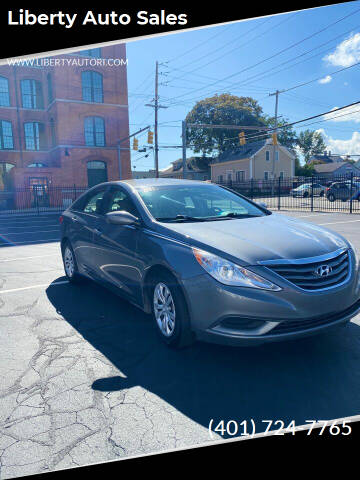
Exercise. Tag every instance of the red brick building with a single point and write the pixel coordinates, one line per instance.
(60, 123)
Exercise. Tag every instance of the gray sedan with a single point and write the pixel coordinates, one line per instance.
(209, 264)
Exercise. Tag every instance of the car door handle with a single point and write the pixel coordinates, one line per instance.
(97, 231)
(74, 219)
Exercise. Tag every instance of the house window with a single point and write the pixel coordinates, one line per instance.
(92, 86)
(267, 155)
(94, 128)
(31, 94)
(6, 135)
(34, 136)
(94, 53)
(266, 175)
(282, 174)
(220, 178)
(49, 88)
(4, 92)
(276, 156)
(240, 176)
(97, 172)
(229, 175)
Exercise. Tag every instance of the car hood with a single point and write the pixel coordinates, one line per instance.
(251, 240)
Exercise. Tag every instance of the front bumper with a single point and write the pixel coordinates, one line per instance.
(259, 316)
(304, 329)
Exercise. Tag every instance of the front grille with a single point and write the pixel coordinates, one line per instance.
(289, 326)
(304, 275)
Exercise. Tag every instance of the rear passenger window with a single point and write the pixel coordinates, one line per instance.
(93, 205)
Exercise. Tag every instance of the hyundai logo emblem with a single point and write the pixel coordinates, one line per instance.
(323, 270)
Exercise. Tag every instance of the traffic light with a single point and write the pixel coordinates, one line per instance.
(274, 138)
(150, 138)
(242, 140)
(135, 144)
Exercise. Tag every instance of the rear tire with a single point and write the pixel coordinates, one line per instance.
(169, 312)
(306, 194)
(322, 193)
(70, 264)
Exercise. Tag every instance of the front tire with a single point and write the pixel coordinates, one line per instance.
(331, 197)
(70, 265)
(170, 313)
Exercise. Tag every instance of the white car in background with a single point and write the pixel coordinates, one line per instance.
(305, 190)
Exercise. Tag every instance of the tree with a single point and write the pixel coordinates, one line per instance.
(287, 135)
(224, 109)
(306, 170)
(311, 143)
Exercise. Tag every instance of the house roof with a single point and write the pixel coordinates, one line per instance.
(247, 151)
(331, 167)
(325, 158)
(176, 167)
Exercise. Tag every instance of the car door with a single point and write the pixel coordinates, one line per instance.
(81, 232)
(116, 252)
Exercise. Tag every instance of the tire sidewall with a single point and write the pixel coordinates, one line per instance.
(75, 275)
(182, 323)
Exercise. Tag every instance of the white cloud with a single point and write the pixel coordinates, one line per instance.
(342, 147)
(326, 79)
(346, 53)
(349, 114)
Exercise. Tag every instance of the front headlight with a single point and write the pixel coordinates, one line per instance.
(229, 273)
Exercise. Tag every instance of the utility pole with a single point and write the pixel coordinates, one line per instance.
(156, 101)
(156, 107)
(183, 124)
(276, 94)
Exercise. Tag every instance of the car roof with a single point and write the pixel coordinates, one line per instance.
(157, 182)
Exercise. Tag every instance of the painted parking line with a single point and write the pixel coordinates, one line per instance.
(29, 241)
(23, 233)
(335, 223)
(31, 226)
(29, 258)
(63, 282)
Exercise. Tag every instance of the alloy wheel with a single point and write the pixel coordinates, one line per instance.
(69, 262)
(164, 309)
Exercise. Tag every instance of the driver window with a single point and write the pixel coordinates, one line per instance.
(120, 201)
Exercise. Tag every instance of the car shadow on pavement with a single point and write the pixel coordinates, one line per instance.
(313, 378)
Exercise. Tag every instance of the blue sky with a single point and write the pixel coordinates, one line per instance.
(253, 58)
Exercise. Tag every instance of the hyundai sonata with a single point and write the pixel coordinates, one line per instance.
(208, 263)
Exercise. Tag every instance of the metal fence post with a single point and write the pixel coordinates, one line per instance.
(351, 192)
(279, 193)
(312, 193)
(252, 189)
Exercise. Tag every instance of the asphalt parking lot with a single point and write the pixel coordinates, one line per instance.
(84, 378)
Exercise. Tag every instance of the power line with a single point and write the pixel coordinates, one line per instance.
(276, 54)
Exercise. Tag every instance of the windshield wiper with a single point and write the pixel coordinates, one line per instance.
(241, 215)
(181, 218)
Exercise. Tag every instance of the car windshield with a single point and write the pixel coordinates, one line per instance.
(183, 203)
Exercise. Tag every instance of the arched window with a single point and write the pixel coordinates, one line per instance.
(94, 130)
(4, 92)
(5, 183)
(34, 136)
(96, 172)
(6, 135)
(31, 94)
(92, 86)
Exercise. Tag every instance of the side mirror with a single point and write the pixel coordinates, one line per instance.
(262, 204)
(122, 218)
